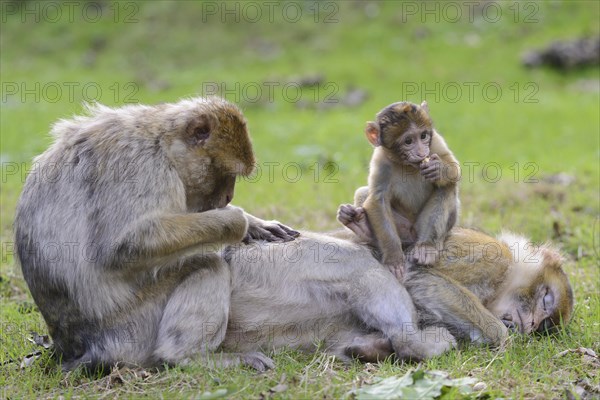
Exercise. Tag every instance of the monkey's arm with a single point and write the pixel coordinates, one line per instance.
(169, 236)
(450, 170)
(434, 221)
(440, 300)
(271, 231)
(443, 168)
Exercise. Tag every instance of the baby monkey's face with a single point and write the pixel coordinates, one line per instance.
(406, 130)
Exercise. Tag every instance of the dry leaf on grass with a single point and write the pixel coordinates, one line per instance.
(415, 385)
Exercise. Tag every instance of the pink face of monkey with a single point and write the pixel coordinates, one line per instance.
(537, 295)
(405, 129)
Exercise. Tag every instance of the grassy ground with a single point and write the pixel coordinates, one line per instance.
(514, 129)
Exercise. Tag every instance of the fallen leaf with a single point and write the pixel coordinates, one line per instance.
(585, 390)
(415, 385)
(279, 388)
(41, 340)
(580, 350)
(29, 359)
(217, 394)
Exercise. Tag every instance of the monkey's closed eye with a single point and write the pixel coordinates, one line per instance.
(548, 300)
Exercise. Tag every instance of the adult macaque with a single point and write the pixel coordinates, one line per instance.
(137, 206)
(413, 175)
(324, 288)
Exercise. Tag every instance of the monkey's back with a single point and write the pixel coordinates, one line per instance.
(80, 194)
(280, 292)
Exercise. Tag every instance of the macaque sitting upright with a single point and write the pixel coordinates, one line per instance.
(412, 196)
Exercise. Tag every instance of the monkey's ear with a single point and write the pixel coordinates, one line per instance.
(372, 132)
(552, 258)
(200, 128)
(425, 106)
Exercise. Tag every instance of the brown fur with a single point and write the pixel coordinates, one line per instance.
(350, 305)
(146, 188)
(412, 175)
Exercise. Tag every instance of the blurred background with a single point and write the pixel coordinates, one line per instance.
(512, 86)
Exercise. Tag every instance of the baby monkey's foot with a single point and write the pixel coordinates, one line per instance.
(355, 219)
(397, 269)
(424, 254)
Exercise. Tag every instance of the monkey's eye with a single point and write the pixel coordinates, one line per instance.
(548, 300)
(408, 141)
(424, 135)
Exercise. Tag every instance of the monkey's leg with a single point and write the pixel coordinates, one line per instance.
(360, 195)
(385, 305)
(443, 301)
(355, 219)
(194, 320)
(379, 212)
(436, 218)
(373, 347)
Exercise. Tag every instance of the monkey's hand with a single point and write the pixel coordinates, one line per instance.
(431, 169)
(509, 323)
(424, 254)
(271, 231)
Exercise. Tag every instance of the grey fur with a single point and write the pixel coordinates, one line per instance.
(321, 290)
(118, 236)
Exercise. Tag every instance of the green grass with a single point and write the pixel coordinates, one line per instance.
(175, 50)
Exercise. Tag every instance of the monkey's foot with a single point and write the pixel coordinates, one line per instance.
(424, 254)
(419, 345)
(370, 349)
(355, 219)
(257, 360)
(397, 269)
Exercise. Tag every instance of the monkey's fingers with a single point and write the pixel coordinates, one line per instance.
(347, 210)
(429, 168)
(431, 173)
(345, 214)
(258, 361)
(397, 270)
(281, 232)
(510, 325)
(424, 254)
(260, 233)
(291, 232)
